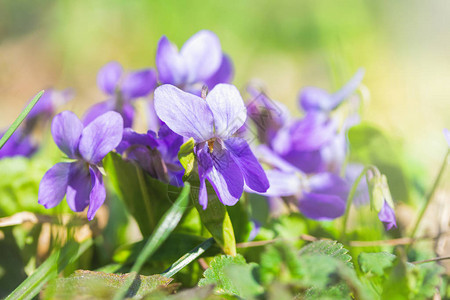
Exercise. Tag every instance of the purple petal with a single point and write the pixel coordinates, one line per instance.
(130, 137)
(348, 89)
(225, 177)
(447, 136)
(184, 113)
(321, 207)
(282, 184)
(312, 132)
(312, 98)
(223, 75)
(97, 110)
(205, 165)
(171, 66)
(101, 136)
(18, 145)
(306, 161)
(79, 186)
(266, 155)
(387, 216)
(254, 175)
(329, 183)
(98, 193)
(53, 185)
(228, 109)
(138, 84)
(66, 131)
(127, 113)
(108, 77)
(203, 55)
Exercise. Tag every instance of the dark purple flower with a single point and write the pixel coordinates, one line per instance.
(19, 144)
(156, 155)
(121, 88)
(81, 181)
(225, 161)
(200, 61)
(387, 216)
(316, 99)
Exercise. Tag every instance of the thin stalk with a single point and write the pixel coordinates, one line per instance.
(350, 198)
(430, 195)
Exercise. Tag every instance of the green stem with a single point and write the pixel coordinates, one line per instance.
(349, 202)
(430, 195)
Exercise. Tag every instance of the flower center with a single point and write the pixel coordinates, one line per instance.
(211, 144)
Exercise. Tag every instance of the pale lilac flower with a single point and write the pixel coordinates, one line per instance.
(225, 161)
(122, 88)
(387, 216)
(81, 180)
(199, 62)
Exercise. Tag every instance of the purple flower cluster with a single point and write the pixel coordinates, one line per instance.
(189, 96)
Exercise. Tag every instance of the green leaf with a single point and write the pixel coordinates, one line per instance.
(329, 248)
(243, 279)
(20, 119)
(240, 219)
(175, 246)
(145, 197)
(188, 258)
(165, 226)
(215, 274)
(186, 156)
(52, 266)
(280, 262)
(101, 285)
(375, 263)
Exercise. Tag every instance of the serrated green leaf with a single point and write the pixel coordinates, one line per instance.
(215, 274)
(101, 285)
(375, 263)
(244, 280)
(328, 248)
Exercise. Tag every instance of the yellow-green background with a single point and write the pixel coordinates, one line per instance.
(403, 45)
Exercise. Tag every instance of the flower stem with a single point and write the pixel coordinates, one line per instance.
(430, 195)
(350, 198)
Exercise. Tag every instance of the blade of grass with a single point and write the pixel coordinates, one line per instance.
(50, 269)
(188, 258)
(162, 231)
(19, 119)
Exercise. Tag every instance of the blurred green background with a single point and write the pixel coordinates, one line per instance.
(403, 45)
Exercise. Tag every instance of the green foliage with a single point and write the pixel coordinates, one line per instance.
(216, 275)
(328, 248)
(187, 157)
(101, 285)
(146, 198)
(53, 265)
(375, 263)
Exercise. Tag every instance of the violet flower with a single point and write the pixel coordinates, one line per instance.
(81, 180)
(122, 88)
(225, 161)
(199, 62)
(387, 216)
(158, 156)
